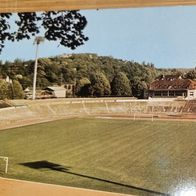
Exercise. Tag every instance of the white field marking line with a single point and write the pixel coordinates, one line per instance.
(107, 107)
(84, 107)
(65, 187)
(52, 111)
(148, 118)
(106, 117)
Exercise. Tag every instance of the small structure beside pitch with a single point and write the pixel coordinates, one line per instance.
(57, 91)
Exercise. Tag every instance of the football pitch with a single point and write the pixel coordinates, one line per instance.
(126, 156)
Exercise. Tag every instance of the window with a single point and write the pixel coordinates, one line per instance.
(171, 93)
(157, 93)
(179, 93)
(164, 93)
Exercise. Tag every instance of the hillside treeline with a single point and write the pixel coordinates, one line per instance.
(92, 75)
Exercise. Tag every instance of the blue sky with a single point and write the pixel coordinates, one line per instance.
(165, 36)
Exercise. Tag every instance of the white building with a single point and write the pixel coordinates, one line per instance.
(58, 91)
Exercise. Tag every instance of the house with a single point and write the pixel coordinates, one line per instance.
(56, 91)
(172, 86)
(47, 93)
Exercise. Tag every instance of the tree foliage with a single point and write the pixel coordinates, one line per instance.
(12, 90)
(121, 85)
(191, 74)
(93, 75)
(18, 92)
(82, 87)
(139, 88)
(4, 89)
(100, 85)
(65, 27)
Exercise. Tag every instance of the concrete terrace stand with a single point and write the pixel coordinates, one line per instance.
(26, 112)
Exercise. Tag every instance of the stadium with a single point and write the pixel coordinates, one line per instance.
(97, 146)
(117, 145)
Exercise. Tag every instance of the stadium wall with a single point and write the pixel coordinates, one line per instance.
(28, 111)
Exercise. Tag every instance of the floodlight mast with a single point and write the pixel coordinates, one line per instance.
(37, 41)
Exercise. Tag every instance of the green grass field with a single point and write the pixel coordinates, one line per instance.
(126, 156)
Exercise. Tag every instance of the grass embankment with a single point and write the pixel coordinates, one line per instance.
(126, 156)
(3, 104)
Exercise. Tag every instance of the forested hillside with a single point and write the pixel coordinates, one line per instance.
(91, 74)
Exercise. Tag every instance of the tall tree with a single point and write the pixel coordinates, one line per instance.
(191, 74)
(100, 85)
(4, 89)
(121, 85)
(66, 27)
(17, 90)
(139, 88)
(82, 87)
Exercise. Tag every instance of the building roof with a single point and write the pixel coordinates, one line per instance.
(175, 83)
(55, 88)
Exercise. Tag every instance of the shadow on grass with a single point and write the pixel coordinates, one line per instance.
(46, 165)
(53, 166)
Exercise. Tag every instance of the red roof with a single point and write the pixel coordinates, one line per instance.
(175, 84)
